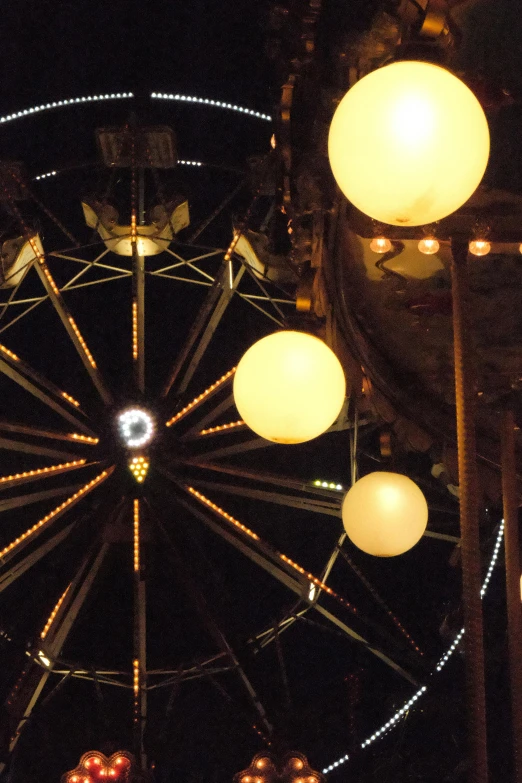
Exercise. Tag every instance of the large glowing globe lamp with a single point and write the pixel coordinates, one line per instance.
(385, 514)
(409, 143)
(289, 387)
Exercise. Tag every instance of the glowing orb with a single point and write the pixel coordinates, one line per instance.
(289, 387)
(409, 143)
(385, 514)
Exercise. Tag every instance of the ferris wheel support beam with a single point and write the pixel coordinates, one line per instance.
(32, 448)
(72, 330)
(140, 639)
(138, 318)
(211, 416)
(209, 316)
(59, 631)
(298, 586)
(24, 565)
(30, 387)
(35, 497)
(306, 504)
(215, 632)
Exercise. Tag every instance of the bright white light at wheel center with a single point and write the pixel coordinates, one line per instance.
(136, 427)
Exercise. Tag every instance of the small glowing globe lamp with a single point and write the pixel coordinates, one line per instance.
(408, 143)
(289, 387)
(428, 246)
(480, 247)
(385, 514)
(380, 245)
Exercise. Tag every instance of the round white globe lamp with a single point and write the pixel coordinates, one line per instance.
(289, 387)
(385, 514)
(408, 143)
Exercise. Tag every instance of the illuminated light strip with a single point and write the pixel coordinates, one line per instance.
(440, 665)
(9, 353)
(223, 514)
(310, 577)
(445, 658)
(46, 175)
(329, 485)
(41, 471)
(54, 613)
(81, 341)
(136, 535)
(230, 426)
(69, 102)
(136, 688)
(52, 514)
(135, 330)
(84, 438)
(232, 246)
(49, 174)
(207, 102)
(70, 399)
(199, 399)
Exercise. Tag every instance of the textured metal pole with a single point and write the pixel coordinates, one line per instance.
(514, 608)
(465, 394)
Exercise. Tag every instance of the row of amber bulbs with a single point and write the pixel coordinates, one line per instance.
(430, 245)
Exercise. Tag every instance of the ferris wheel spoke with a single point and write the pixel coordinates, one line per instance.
(139, 662)
(215, 632)
(195, 431)
(33, 448)
(238, 448)
(72, 329)
(209, 316)
(31, 559)
(299, 584)
(36, 474)
(36, 497)
(20, 372)
(52, 639)
(15, 547)
(138, 318)
(293, 501)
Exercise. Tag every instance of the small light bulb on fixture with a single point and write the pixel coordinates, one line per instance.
(520, 248)
(380, 245)
(428, 246)
(479, 247)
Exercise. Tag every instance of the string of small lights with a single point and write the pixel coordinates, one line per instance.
(77, 463)
(136, 535)
(9, 353)
(70, 399)
(136, 688)
(393, 721)
(328, 485)
(47, 626)
(55, 512)
(84, 439)
(207, 102)
(222, 427)
(200, 398)
(68, 102)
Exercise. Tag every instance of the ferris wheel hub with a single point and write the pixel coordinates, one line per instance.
(136, 427)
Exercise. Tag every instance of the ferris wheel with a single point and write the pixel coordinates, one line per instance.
(123, 315)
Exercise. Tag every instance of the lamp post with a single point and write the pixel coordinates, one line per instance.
(408, 145)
